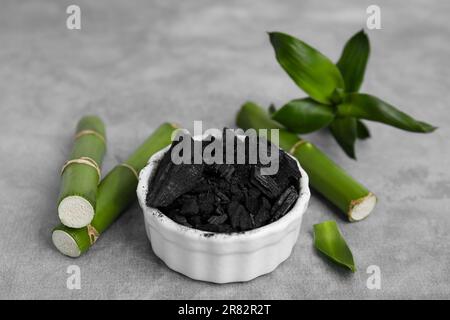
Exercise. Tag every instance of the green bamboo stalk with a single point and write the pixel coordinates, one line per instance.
(81, 174)
(325, 176)
(115, 193)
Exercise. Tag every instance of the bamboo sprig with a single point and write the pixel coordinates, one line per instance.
(334, 101)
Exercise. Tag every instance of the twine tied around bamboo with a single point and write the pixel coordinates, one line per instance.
(92, 233)
(90, 132)
(296, 145)
(126, 165)
(86, 161)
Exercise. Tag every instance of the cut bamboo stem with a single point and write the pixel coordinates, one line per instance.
(115, 193)
(81, 174)
(325, 176)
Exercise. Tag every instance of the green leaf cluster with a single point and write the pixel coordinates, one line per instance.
(334, 100)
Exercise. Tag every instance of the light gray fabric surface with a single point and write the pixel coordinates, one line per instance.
(139, 63)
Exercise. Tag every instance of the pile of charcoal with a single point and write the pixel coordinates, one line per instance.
(223, 198)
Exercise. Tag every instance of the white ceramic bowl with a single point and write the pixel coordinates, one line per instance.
(218, 257)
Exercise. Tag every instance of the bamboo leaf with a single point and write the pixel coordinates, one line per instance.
(304, 115)
(362, 132)
(310, 70)
(368, 107)
(353, 61)
(344, 131)
(329, 241)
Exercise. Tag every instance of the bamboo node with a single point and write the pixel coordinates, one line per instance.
(126, 165)
(92, 233)
(90, 132)
(84, 160)
(296, 145)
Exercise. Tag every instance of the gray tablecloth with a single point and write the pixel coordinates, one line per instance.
(139, 63)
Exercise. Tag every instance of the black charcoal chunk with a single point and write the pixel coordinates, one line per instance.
(288, 173)
(236, 192)
(225, 171)
(239, 217)
(206, 203)
(202, 186)
(220, 211)
(222, 196)
(245, 221)
(234, 209)
(190, 207)
(178, 180)
(195, 220)
(265, 183)
(182, 220)
(218, 219)
(263, 214)
(252, 200)
(284, 203)
(171, 181)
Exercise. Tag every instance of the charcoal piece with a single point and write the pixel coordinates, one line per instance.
(288, 173)
(171, 181)
(263, 214)
(225, 171)
(201, 186)
(190, 207)
(291, 166)
(220, 211)
(218, 219)
(195, 220)
(239, 217)
(236, 193)
(252, 200)
(284, 203)
(242, 173)
(180, 179)
(206, 203)
(222, 196)
(265, 183)
(161, 175)
(223, 186)
(233, 211)
(182, 220)
(245, 221)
